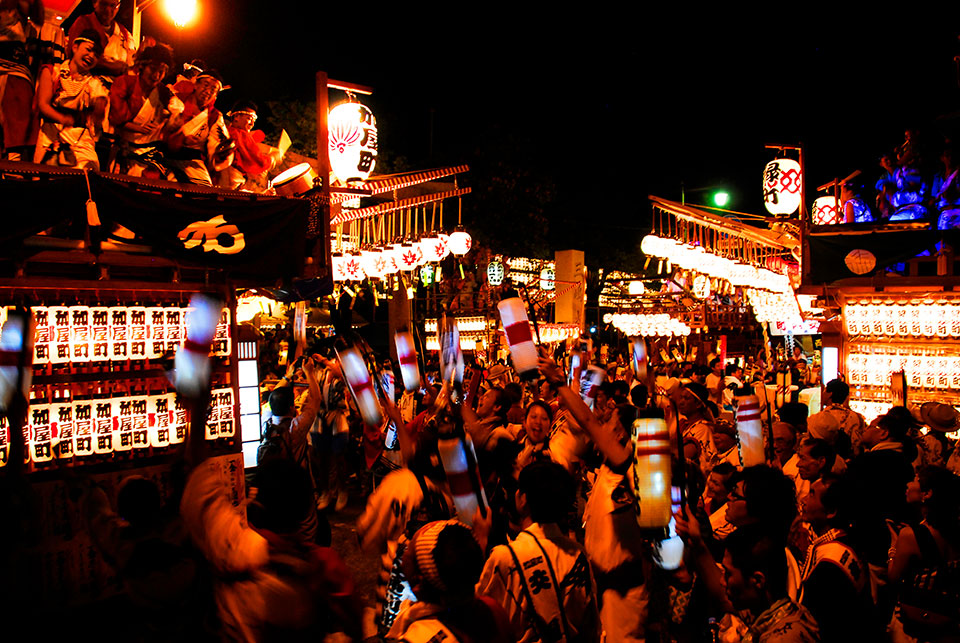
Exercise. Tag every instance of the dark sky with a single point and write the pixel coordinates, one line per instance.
(612, 106)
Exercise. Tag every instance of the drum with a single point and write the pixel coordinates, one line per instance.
(295, 181)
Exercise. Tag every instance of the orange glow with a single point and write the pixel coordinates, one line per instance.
(182, 12)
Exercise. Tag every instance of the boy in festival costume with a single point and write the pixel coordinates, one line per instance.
(17, 123)
(251, 160)
(202, 142)
(142, 109)
(72, 104)
(116, 43)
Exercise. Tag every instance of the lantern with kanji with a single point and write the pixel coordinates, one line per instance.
(547, 278)
(353, 141)
(782, 183)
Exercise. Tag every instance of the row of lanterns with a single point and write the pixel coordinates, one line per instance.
(705, 262)
(497, 270)
(392, 258)
(646, 325)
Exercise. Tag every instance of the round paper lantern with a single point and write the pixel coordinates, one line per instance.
(826, 211)
(389, 255)
(445, 240)
(860, 262)
(650, 245)
(547, 278)
(495, 272)
(426, 275)
(421, 258)
(432, 247)
(337, 266)
(460, 242)
(372, 263)
(353, 141)
(701, 286)
(782, 185)
(407, 256)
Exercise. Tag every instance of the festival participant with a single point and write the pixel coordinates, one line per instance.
(443, 564)
(855, 209)
(836, 398)
(542, 578)
(329, 437)
(784, 442)
(269, 581)
(731, 383)
(17, 118)
(714, 381)
(754, 569)
(114, 40)
(728, 447)
(142, 110)
(698, 420)
(72, 104)
(533, 438)
(202, 142)
(251, 161)
(285, 433)
(835, 580)
(923, 548)
(486, 425)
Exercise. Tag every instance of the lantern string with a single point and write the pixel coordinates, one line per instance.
(433, 218)
(459, 211)
(441, 215)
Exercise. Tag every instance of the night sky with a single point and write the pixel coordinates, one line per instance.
(609, 107)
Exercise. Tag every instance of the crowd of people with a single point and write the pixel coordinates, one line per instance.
(95, 99)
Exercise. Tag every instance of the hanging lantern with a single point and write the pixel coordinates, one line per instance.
(338, 267)
(826, 211)
(460, 242)
(445, 240)
(407, 256)
(389, 255)
(548, 279)
(426, 275)
(353, 141)
(495, 272)
(701, 286)
(651, 246)
(373, 263)
(353, 267)
(432, 247)
(421, 258)
(782, 185)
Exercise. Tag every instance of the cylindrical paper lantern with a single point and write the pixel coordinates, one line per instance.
(516, 325)
(590, 381)
(782, 186)
(463, 479)
(651, 472)
(639, 361)
(451, 357)
(192, 360)
(407, 356)
(750, 429)
(826, 211)
(359, 383)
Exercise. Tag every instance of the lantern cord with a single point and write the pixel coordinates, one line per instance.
(433, 218)
(441, 215)
(459, 211)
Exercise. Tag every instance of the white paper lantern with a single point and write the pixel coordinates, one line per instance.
(432, 247)
(353, 268)
(373, 263)
(353, 141)
(826, 211)
(445, 240)
(651, 246)
(782, 186)
(495, 272)
(407, 256)
(548, 278)
(460, 242)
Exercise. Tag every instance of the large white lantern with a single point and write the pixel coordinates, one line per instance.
(460, 242)
(407, 256)
(782, 185)
(352, 141)
(432, 247)
(826, 211)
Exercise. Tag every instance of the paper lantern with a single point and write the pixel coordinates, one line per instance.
(638, 346)
(426, 275)
(40, 446)
(352, 132)
(460, 242)
(407, 256)
(160, 419)
(495, 272)
(389, 255)
(407, 356)
(83, 427)
(650, 245)
(826, 211)
(516, 326)
(651, 472)
(750, 430)
(669, 551)
(337, 269)
(548, 279)
(15, 339)
(860, 262)
(373, 263)
(359, 382)
(782, 186)
(445, 240)
(432, 247)
(353, 267)
(463, 476)
(701, 286)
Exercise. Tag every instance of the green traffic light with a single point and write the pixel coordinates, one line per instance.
(721, 199)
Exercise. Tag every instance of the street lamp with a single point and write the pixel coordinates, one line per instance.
(182, 12)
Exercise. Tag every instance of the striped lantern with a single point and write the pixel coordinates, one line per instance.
(451, 357)
(516, 325)
(590, 381)
(407, 356)
(750, 430)
(359, 382)
(651, 472)
(639, 361)
(463, 479)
